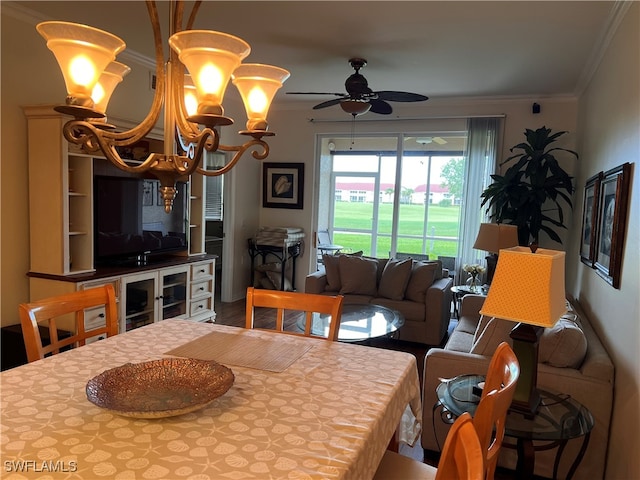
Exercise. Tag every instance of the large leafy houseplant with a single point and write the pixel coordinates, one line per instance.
(532, 191)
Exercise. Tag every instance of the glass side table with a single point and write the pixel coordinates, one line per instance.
(559, 419)
(457, 292)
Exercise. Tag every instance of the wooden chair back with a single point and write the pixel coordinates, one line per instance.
(45, 312)
(306, 303)
(491, 414)
(461, 458)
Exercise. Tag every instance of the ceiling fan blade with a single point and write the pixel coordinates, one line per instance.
(392, 96)
(328, 103)
(380, 106)
(440, 140)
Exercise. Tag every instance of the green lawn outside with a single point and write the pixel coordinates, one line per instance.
(443, 222)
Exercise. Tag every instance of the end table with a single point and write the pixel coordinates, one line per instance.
(559, 419)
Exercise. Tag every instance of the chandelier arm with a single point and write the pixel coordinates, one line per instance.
(194, 13)
(240, 150)
(85, 133)
(142, 129)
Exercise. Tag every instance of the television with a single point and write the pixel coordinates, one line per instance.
(130, 223)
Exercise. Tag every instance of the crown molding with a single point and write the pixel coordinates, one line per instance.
(602, 43)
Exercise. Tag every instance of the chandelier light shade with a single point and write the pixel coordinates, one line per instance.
(528, 287)
(493, 237)
(83, 53)
(258, 85)
(107, 83)
(211, 57)
(192, 103)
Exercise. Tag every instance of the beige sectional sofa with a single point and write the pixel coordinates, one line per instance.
(421, 291)
(572, 361)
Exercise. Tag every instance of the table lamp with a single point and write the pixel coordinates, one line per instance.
(493, 237)
(528, 287)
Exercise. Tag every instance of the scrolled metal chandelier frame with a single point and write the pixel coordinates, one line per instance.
(196, 131)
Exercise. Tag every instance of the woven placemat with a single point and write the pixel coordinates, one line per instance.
(243, 351)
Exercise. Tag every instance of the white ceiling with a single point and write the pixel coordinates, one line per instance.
(442, 49)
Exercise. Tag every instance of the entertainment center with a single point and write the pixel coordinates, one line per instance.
(93, 224)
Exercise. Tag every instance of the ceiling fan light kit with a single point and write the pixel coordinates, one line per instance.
(355, 107)
(360, 99)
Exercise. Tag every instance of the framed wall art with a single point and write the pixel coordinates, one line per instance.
(590, 220)
(282, 185)
(612, 222)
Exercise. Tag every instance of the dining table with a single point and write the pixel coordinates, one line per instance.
(298, 408)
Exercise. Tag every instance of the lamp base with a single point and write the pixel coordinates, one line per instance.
(526, 397)
(492, 260)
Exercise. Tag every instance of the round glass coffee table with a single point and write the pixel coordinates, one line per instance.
(359, 323)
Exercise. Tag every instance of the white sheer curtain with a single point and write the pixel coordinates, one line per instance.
(481, 155)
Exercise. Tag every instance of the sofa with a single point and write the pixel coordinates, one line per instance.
(571, 361)
(421, 291)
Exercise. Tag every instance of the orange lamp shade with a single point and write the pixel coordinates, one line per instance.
(210, 57)
(82, 53)
(527, 287)
(258, 85)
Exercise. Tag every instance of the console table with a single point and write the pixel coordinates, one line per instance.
(288, 251)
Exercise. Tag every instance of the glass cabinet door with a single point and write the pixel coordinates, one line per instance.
(173, 294)
(139, 300)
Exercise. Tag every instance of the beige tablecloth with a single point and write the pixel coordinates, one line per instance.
(330, 414)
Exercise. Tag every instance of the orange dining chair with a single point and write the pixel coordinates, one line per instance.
(46, 311)
(308, 303)
(490, 416)
(461, 458)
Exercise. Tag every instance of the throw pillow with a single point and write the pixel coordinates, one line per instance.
(357, 275)
(395, 278)
(421, 278)
(564, 344)
(496, 332)
(332, 270)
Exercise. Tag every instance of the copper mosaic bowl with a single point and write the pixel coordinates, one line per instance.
(160, 388)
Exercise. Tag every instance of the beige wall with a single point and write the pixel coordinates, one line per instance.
(609, 126)
(296, 142)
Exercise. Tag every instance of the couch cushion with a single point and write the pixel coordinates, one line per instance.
(422, 276)
(357, 275)
(332, 269)
(564, 344)
(412, 311)
(395, 278)
(494, 333)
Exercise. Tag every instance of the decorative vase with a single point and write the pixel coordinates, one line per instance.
(472, 282)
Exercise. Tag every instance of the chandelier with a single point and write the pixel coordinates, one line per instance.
(193, 109)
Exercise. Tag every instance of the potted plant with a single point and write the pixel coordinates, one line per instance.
(532, 191)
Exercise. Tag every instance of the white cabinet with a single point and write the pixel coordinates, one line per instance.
(153, 296)
(201, 288)
(181, 288)
(60, 198)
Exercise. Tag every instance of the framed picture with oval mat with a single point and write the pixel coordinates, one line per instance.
(282, 185)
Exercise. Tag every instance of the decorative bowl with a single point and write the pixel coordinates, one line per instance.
(159, 388)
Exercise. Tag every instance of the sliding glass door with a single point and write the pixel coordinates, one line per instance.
(393, 194)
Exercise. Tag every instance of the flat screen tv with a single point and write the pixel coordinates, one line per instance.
(130, 222)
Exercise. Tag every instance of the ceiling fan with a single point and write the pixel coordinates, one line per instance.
(360, 99)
